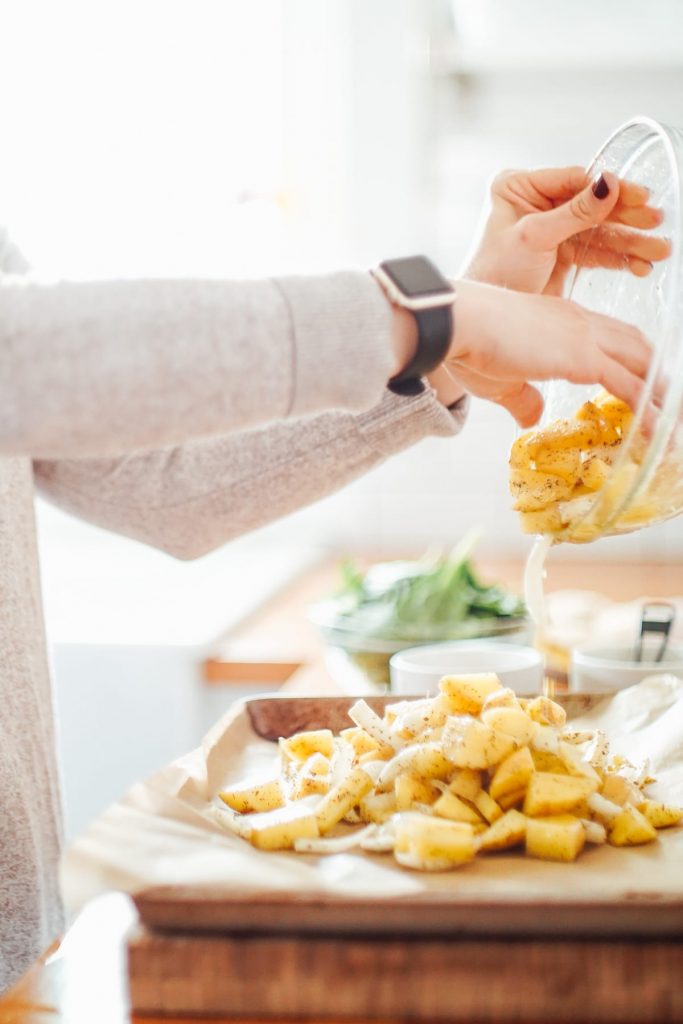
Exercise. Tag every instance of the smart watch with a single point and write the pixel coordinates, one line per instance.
(415, 284)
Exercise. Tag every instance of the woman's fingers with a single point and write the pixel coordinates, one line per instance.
(642, 217)
(621, 240)
(545, 231)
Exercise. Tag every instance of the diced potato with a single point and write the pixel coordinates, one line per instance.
(615, 411)
(465, 783)
(544, 761)
(620, 790)
(514, 799)
(606, 429)
(550, 794)
(309, 784)
(660, 815)
(409, 790)
(266, 796)
(631, 828)
(533, 490)
(503, 698)
(576, 764)
(452, 807)
(507, 831)
(560, 837)
(546, 711)
(520, 453)
(565, 433)
(425, 760)
(317, 764)
(466, 694)
(361, 741)
(426, 840)
(487, 806)
(595, 473)
(302, 744)
(469, 743)
(277, 830)
(377, 808)
(341, 798)
(542, 520)
(511, 721)
(513, 774)
(562, 462)
(380, 753)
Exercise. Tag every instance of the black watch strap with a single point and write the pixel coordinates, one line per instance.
(434, 330)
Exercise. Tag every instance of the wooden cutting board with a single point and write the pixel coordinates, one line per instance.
(428, 957)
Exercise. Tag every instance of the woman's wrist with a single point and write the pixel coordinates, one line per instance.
(404, 339)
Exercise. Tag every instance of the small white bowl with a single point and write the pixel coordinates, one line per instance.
(606, 669)
(418, 669)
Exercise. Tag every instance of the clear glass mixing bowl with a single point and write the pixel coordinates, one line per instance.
(646, 485)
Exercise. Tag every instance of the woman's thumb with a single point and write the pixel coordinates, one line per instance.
(591, 206)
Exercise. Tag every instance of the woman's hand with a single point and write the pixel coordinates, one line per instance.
(541, 223)
(505, 339)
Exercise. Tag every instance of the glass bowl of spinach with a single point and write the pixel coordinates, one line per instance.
(394, 605)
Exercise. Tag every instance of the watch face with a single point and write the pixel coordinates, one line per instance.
(416, 276)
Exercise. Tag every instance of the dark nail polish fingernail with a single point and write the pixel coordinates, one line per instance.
(600, 188)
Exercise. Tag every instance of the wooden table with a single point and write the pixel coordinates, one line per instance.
(82, 979)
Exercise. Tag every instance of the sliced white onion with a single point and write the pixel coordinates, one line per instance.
(362, 715)
(334, 844)
(595, 832)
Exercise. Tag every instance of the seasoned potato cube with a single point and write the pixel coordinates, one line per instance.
(466, 693)
(620, 790)
(544, 761)
(377, 808)
(562, 462)
(266, 796)
(614, 411)
(513, 774)
(533, 490)
(565, 433)
(594, 473)
(543, 520)
(512, 721)
(561, 837)
(277, 830)
(302, 744)
(361, 741)
(507, 831)
(487, 806)
(452, 807)
(514, 799)
(307, 783)
(590, 411)
(503, 698)
(631, 828)
(341, 798)
(546, 711)
(660, 815)
(428, 840)
(465, 783)
(409, 790)
(469, 743)
(550, 794)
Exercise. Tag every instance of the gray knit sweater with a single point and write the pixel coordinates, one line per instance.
(180, 413)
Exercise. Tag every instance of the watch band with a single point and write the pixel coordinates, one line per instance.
(434, 330)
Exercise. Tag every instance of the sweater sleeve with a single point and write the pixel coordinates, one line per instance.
(189, 500)
(112, 367)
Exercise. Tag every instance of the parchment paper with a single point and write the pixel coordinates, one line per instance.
(164, 832)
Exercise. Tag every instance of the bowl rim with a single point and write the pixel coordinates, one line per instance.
(598, 656)
(527, 657)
